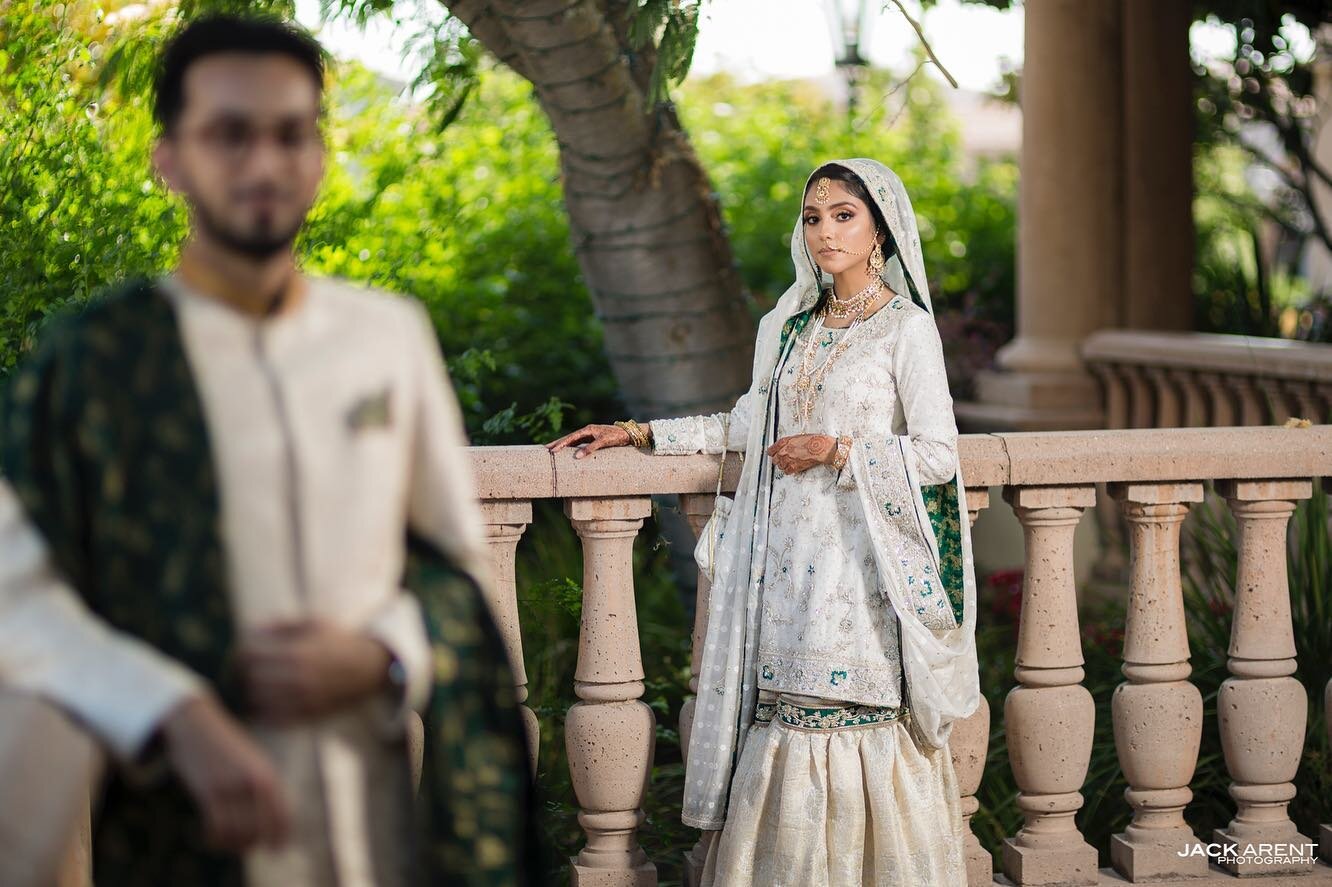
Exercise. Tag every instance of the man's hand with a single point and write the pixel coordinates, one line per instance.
(298, 671)
(801, 452)
(229, 776)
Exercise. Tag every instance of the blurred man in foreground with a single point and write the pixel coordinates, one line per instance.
(239, 540)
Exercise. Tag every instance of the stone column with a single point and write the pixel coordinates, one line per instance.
(1261, 709)
(1158, 166)
(1049, 716)
(1157, 713)
(969, 745)
(1070, 263)
(506, 519)
(696, 509)
(609, 734)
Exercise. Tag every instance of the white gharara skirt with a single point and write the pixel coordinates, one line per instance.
(838, 795)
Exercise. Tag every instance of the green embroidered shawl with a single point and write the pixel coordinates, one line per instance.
(103, 438)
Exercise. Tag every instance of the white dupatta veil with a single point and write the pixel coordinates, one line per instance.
(939, 665)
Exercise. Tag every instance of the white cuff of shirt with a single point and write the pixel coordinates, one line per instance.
(128, 702)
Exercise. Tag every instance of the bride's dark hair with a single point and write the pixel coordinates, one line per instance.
(852, 183)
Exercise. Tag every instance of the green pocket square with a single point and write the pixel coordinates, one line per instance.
(371, 411)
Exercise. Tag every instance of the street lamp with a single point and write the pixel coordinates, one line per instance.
(849, 22)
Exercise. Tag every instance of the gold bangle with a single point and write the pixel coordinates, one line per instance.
(843, 452)
(637, 436)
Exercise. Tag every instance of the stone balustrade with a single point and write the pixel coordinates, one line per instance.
(1049, 479)
(1174, 380)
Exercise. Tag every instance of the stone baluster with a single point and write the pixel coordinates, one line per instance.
(969, 744)
(506, 519)
(1049, 716)
(1140, 405)
(1169, 403)
(696, 508)
(1157, 712)
(1195, 399)
(1262, 710)
(1275, 395)
(1252, 403)
(1305, 397)
(1114, 394)
(1221, 408)
(1323, 398)
(609, 734)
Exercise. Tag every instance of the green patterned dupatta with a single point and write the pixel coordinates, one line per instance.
(102, 436)
(941, 500)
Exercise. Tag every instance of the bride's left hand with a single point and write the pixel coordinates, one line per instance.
(801, 452)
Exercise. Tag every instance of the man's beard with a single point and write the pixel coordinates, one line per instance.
(257, 245)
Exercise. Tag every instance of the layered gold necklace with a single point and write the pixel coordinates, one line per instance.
(809, 379)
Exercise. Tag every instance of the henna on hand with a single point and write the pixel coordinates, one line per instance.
(801, 452)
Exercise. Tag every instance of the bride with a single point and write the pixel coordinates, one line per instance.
(840, 643)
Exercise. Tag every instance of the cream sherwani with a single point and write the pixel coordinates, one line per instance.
(332, 429)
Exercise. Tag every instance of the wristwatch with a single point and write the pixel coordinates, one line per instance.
(397, 679)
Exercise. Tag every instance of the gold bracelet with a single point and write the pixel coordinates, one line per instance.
(637, 436)
(843, 452)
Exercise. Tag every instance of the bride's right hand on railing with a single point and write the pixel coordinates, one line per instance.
(591, 438)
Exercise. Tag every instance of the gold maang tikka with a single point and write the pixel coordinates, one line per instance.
(821, 190)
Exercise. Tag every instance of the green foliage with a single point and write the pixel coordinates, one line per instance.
(469, 219)
(78, 206)
(1255, 113)
(1234, 290)
(671, 27)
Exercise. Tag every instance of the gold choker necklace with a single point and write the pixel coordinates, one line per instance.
(854, 305)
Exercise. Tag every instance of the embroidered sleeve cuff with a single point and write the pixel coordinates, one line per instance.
(401, 629)
(691, 434)
(935, 460)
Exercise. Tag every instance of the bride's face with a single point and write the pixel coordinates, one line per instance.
(839, 231)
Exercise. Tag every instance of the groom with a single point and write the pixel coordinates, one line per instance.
(239, 540)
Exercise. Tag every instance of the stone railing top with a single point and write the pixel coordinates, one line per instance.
(1048, 458)
(1212, 352)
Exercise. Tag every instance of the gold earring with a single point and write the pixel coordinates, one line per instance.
(876, 260)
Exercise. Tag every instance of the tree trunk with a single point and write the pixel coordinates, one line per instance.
(645, 223)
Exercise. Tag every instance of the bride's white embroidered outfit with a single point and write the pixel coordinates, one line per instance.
(840, 643)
